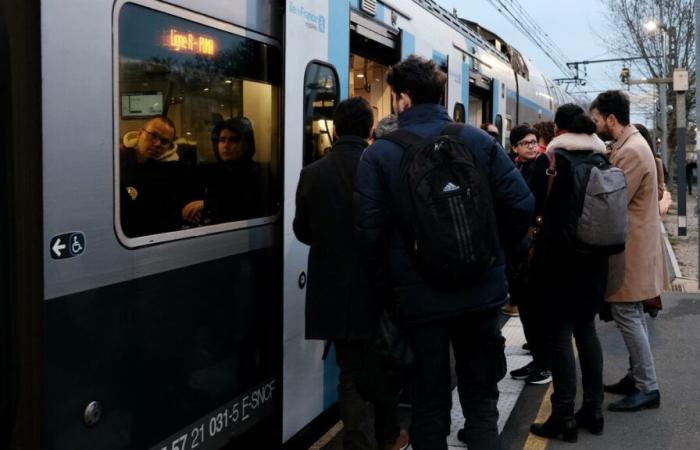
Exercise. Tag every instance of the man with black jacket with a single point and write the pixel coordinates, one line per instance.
(340, 306)
(468, 317)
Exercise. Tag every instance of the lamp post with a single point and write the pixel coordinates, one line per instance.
(653, 26)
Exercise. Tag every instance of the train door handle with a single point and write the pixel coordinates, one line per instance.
(302, 280)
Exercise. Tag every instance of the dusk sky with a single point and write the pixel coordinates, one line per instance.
(574, 25)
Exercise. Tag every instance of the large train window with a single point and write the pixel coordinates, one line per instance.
(197, 114)
(321, 95)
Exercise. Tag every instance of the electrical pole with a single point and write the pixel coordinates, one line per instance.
(697, 96)
(680, 86)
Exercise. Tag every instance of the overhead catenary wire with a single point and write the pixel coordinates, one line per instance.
(513, 11)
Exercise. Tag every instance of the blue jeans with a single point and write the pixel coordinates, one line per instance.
(631, 322)
(480, 363)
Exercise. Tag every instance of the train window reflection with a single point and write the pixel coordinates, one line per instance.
(321, 94)
(198, 125)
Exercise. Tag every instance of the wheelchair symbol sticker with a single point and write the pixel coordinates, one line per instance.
(67, 245)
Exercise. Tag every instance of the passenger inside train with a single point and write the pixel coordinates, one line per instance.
(233, 187)
(151, 185)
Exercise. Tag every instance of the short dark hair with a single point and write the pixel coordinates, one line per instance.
(519, 132)
(242, 127)
(167, 120)
(545, 130)
(572, 118)
(616, 103)
(353, 117)
(419, 78)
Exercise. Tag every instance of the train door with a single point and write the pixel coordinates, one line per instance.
(373, 48)
(316, 69)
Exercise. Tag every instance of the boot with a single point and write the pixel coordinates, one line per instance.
(555, 427)
(590, 419)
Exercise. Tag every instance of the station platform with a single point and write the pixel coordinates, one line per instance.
(675, 339)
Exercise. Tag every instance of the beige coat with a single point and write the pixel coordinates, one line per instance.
(638, 273)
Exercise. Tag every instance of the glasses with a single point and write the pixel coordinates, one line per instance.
(232, 139)
(532, 143)
(163, 142)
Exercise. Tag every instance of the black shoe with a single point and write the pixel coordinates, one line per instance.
(553, 428)
(539, 377)
(623, 387)
(592, 420)
(462, 435)
(637, 401)
(526, 346)
(523, 372)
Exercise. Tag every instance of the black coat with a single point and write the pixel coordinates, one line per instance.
(235, 191)
(384, 253)
(339, 300)
(152, 195)
(572, 284)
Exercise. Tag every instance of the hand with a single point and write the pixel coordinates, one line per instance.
(192, 212)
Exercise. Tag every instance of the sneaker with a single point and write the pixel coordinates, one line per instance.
(510, 310)
(523, 372)
(539, 376)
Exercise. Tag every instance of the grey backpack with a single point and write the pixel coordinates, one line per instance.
(597, 222)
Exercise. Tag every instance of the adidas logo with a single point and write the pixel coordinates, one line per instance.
(450, 187)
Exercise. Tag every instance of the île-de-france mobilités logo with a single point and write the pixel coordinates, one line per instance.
(313, 21)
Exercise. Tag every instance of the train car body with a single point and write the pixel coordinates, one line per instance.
(190, 336)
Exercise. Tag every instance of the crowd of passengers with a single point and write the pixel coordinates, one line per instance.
(374, 295)
(161, 190)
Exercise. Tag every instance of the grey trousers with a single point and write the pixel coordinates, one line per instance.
(631, 322)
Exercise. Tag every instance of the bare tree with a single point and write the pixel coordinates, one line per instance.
(627, 36)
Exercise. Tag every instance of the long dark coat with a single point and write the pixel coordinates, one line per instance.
(572, 284)
(339, 300)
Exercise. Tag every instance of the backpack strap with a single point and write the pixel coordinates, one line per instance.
(403, 138)
(551, 170)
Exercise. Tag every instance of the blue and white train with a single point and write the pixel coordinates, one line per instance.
(193, 337)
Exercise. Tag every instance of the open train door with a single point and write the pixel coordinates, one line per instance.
(317, 40)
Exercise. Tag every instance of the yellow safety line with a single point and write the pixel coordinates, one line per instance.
(536, 442)
(328, 437)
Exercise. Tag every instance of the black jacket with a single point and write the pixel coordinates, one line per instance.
(384, 253)
(572, 284)
(152, 195)
(339, 302)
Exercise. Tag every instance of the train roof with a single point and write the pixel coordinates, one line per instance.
(460, 25)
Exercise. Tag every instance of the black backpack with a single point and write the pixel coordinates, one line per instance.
(597, 219)
(444, 209)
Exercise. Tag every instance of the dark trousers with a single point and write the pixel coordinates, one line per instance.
(535, 318)
(355, 412)
(564, 365)
(480, 363)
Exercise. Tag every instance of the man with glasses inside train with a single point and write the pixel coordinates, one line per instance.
(151, 193)
(433, 315)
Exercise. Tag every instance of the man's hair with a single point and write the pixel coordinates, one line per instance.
(616, 103)
(353, 117)
(519, 132)
(387, 125)
(165, 119)
(419, 78)
(545, 130)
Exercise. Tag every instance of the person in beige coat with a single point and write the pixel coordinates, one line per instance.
(636, 274)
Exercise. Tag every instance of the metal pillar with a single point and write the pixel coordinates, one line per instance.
(663, 100)
(697, 105)
(680, 163)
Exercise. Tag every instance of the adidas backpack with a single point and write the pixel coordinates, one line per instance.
(444, 208)
(598, 220)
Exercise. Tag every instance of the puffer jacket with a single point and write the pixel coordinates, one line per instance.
(381, 248)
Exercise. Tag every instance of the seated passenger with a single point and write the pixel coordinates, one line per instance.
(233, 187)
(152, 179)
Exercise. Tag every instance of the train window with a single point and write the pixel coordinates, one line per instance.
(459, 115)
(321, 95)
(198, 126)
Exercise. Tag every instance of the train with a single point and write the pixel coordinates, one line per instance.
(191, 337)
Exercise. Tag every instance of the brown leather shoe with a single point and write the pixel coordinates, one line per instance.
(401, 441)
